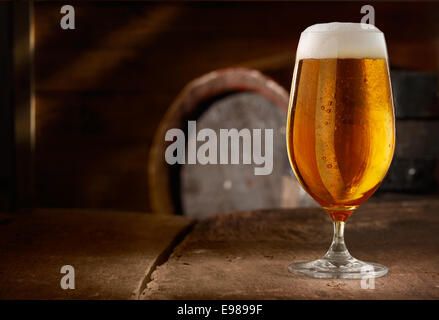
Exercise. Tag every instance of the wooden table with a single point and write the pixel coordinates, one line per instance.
(244, 255)
(113, 253)
(241, 255)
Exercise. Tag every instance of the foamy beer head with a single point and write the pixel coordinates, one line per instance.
(341, 40)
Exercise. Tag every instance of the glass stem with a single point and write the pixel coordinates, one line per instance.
(338, 253)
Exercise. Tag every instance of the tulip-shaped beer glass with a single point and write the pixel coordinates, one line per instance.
(340, 131)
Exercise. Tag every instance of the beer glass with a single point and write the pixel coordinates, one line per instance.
(340, 131)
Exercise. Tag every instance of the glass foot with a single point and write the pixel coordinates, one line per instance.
(350, 268)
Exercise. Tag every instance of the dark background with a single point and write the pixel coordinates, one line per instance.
(100, 90)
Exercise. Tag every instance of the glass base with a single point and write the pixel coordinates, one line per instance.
(350, 268)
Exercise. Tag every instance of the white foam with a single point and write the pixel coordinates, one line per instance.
(341, 40)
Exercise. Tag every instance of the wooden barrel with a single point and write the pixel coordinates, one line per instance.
(416, 161)
(231, 98)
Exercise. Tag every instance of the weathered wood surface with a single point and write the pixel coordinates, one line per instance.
(414, 167)
(6, 109)
(415, 94)
(244, 255)
(113, 253)
(417, 153)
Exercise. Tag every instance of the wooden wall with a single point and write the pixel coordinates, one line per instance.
(6, 128)
(102, 88)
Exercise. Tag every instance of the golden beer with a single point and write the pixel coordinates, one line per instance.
(341, 130)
